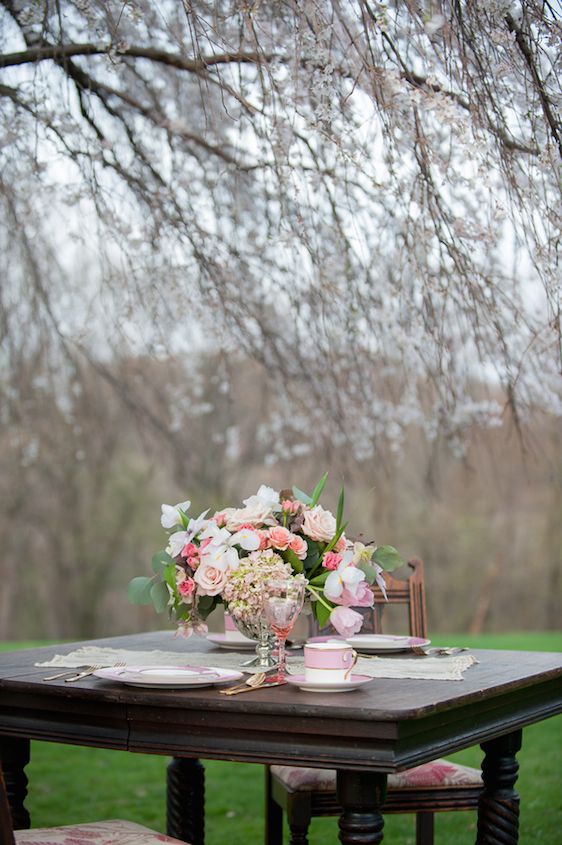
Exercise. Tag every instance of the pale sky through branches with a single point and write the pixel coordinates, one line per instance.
(361, 197)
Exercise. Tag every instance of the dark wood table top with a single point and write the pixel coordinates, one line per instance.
(386, 726)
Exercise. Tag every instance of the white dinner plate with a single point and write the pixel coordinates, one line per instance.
(168, 677)
(354, 682)
(240, 643)
(379, 643)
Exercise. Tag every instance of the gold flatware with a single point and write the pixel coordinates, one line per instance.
(62, 674)
(265, 684)
(90, 671)
(251, 682)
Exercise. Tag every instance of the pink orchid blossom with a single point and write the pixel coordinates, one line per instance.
(346, 621)
(362, 597)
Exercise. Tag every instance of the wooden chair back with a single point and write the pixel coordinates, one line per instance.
(408, 591)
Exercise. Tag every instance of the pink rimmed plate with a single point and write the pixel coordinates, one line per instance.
(354, 682)
(168, 677)
(383, 643)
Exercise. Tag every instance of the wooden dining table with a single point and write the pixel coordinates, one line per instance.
(383, 727)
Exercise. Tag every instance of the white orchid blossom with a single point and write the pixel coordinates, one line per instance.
(346, 576)
(222, 557)
(266, 497)
(176, 543)
(218, 536)
(171, 514)
(247, 539)
(194, 526)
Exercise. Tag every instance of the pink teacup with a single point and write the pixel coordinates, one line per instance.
(328, 662)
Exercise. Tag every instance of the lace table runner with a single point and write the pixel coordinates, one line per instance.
(431, 668)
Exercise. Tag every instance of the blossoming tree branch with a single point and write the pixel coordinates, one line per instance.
(226, 558)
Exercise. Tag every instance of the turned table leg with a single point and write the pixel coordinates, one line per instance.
(14, 754)
(498, 807)
(361, 794)
(186, 800)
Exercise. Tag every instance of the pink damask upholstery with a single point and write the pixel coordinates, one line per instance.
(96, 833)
(437, 773)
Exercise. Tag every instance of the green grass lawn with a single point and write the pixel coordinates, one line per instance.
(71, 784)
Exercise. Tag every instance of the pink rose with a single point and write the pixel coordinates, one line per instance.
(186, 587)
(189, 550)
(341, 544)
(331, 560)
(280, 537)
(299, 546)
(346, 621)
(362, 597)
(264, 540)
(210, 578)
(319, 524)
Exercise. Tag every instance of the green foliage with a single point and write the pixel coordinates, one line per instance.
(369, 570)
(160, 560)
(302, 496)
(317, 492)
(388, 558)
(289, 556)
(138, 591)
(322, 613)
(160, 596)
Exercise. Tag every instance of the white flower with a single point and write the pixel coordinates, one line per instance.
(219, 536)
(176, 543)
(195, 525)
(346, 576)
(253, 514)
(171, 514)
(266, 496)
(247, 539)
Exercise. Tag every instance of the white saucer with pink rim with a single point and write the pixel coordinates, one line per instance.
(354, 682)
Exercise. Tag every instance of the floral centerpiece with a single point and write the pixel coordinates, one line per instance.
(225, 558)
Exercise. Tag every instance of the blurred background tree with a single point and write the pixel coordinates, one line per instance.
(243, 242)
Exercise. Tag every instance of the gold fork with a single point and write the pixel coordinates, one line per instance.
(251, 682)
(90, 671)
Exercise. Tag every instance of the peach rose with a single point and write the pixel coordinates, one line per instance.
(319, 524)
(299, 546)
(280, 537)
(211, 578)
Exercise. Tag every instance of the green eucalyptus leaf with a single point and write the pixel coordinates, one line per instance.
(160, 596)
(388, 558)
(302, 496)
(160, 560)
(168, 575)
(138, 591)
(317, 492)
